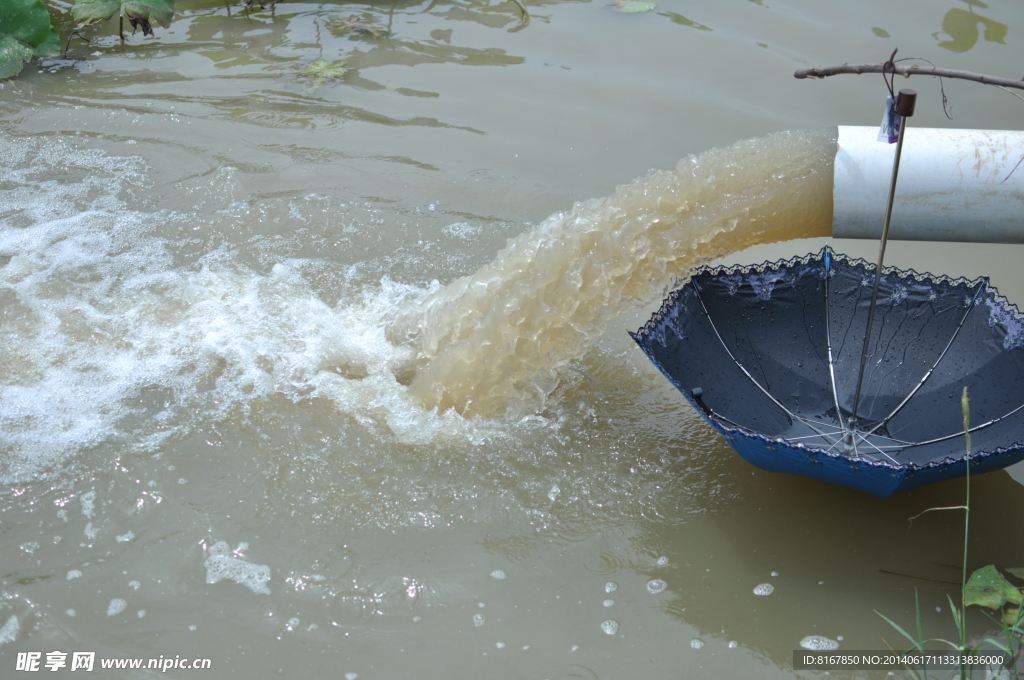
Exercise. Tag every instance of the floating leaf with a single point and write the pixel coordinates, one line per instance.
(24, 29)
(633, 6)
(322, 70)
(141, 13)
(683, 21)
(988, 588)
(354, 23)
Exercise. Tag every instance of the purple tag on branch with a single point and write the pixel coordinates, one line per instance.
(891, 121)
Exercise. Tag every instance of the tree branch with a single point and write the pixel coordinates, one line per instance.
(907, 71)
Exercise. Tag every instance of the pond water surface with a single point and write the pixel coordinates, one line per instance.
(323, 377)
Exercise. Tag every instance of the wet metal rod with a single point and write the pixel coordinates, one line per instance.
(904, 108)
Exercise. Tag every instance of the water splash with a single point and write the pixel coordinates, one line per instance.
(492, 343)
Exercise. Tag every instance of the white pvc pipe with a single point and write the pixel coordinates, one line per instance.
(954, 185)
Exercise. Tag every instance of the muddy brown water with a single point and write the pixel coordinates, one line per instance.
(330, 378)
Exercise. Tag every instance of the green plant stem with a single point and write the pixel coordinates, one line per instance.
(965, 405)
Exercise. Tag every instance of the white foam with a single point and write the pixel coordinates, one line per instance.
(221, 564)
(9, 631)
(88, 503)
(124, 538)
(74, 573)
(611, 587)
(696, 643)
(479, 620)
(764, 589)
(610, 627)
(116, 606)
(818, 643)
(499, 574)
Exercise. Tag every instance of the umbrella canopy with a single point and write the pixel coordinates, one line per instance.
(770, 355)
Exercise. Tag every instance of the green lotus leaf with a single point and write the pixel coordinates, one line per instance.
(141, 13)
(633, 6)
(24, 27)
(988, 588)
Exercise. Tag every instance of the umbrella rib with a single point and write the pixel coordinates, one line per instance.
(828, 343)
(973, 429)
(714, 327)
(931, 370)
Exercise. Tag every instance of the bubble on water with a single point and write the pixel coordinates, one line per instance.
(696, 643)
(774, 574)
(821, 583)
(71, 612)
(611, 587)
(417, 619)
(432, 206)
(88, 504)
(938, 609)
(764, 589)
(116, 606)
(478, 620)
(656, 585)
(481, 605)
(124, 538)
(733, 644)
(141, 613)
(9, 631)
(608, 603)
(610, 627)
(818, 643)
(292, 624)
(221, 564)
(192, 628)
(351, 676)
(182, 480)
(499, 645)
(499, 574)
(134, 585)
(839, 637)
(73, 574)
(575, 648)
(553, 493)
(463, 230)
(662, 561)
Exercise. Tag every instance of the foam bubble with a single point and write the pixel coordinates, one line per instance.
(610, 627)
(656, 585)
(499, 574)
(818, 643)
(661, 561)
(764, 589)
(696, 643)
(733, 644)
(71, 612)
(608, 603)
(9, 631)
(221, 564)
(124, 538)
(479, 620)
(611, 587)
(774, 574)
(88, 503)
(351, 676)
(116, 606)
(73, 574)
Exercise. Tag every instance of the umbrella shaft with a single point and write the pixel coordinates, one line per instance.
(878, 275)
